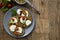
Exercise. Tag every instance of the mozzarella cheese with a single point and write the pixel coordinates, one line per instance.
(19, 30)
(26, 13)
(22, 14)
(18, 11)
(15, 20)
(28, 22)
(12, 28)
(22, 21)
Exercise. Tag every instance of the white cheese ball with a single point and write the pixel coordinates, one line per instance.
(12, 28)
(18, 11)
(19, 30)
(28, 22)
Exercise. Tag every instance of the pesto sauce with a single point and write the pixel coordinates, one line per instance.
(20, 1)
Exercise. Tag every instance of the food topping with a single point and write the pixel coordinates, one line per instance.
(19, 30)
(12, 28)
(26, 13)
(22, 15)
(14, 20)
(22, 20)
(16, 33)
(28, 22)
(16, 29)
(19, 11)
(18, 24)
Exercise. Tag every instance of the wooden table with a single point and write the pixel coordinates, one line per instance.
(47, 23)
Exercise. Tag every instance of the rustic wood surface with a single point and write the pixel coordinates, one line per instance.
(47, 26)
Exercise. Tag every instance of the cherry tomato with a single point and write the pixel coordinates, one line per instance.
(12, 19)
(22, 17)
(9, 5)
(0, 6)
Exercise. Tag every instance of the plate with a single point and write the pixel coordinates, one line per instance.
(8, 16)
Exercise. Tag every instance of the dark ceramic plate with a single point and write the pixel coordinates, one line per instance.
(8, 16)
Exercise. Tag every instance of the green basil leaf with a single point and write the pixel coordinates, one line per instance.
(5, 1)
(13, 12)
(4, 9)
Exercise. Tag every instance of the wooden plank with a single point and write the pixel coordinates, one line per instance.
(42, 23)
(58, 18)
(1, 25)
(53, 19)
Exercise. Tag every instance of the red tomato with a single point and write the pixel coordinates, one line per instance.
(9, 5)
(0, 6)
(12, 19)
(22, 17)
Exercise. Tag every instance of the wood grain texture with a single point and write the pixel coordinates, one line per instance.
(47, 24)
